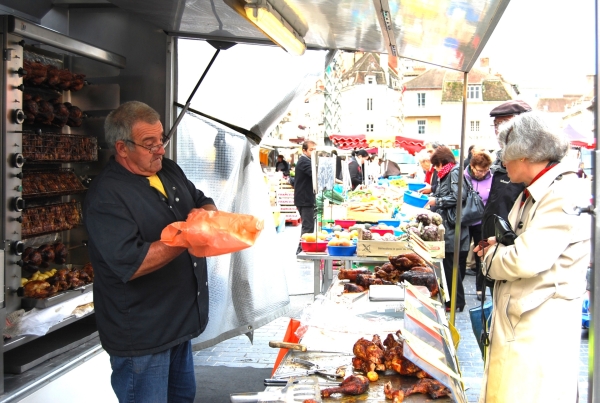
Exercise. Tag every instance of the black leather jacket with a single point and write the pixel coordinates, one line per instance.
(446, 195)
(503, 195)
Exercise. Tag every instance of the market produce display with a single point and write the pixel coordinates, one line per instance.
(426, 225)
(372, 356)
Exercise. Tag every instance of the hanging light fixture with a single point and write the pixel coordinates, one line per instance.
(271, 22)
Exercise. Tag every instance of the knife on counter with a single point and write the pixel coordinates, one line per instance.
(302, 348)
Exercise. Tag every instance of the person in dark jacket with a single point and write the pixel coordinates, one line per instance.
(503, 192)
(304, 195)
(282, 165)
(355, 166)
(150, 299)
(445, 199)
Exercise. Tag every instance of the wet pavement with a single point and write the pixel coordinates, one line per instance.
(240, 352)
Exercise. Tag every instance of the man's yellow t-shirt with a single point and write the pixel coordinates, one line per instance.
(157, 184)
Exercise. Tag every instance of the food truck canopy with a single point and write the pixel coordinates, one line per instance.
(450, 34)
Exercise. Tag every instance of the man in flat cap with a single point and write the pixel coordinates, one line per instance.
(503, 192)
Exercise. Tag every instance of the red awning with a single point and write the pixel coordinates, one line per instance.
(578, 139)
(358, 141)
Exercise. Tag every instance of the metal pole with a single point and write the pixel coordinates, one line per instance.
(593, 341)
(189, 101)
(457, 226)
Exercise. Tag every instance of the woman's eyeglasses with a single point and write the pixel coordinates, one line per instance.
(479, 171)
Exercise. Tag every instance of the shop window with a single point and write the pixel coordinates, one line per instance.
(421, 125)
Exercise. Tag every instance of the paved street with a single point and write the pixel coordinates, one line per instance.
(239, 352)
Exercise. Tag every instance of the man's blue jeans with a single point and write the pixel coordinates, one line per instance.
(167, 376)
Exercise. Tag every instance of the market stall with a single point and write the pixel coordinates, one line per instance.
(386, 342)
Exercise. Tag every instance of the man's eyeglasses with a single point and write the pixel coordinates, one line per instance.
(478, 171)
(153, 149)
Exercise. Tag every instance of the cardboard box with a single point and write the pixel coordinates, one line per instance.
(393, 248)
(437, 249)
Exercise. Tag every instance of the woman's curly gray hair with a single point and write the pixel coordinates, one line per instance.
(531, 136)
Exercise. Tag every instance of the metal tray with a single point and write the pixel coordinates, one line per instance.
(30, 303)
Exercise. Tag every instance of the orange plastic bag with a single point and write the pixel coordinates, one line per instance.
(213, 233)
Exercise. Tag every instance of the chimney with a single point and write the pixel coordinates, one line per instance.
(484, 62)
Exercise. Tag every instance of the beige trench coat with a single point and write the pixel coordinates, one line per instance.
(536, 321)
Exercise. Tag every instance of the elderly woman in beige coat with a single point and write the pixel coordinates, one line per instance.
(540, 280)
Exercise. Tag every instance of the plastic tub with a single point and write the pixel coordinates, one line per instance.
(320, 246)
(414, 186)
(345, 223)
(393, 223)
(381, 231)
(397, 232)
(328, 230)
(415, 199)
(341, 250)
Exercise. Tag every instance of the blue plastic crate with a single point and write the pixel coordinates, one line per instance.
(415, 199)
(341, 250)
(414, 186)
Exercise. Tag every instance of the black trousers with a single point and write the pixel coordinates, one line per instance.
(307, 214)
(462, 271)
(476, 236)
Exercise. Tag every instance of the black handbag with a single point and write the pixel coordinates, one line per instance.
(472, 208)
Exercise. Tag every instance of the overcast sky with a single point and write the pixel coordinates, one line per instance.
(544, 43)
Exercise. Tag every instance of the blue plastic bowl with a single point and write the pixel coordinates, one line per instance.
(415, 199)
(416, 185)
(397, 232)
(393, 223)
(394, 177)
(328, 230)
(341, 250)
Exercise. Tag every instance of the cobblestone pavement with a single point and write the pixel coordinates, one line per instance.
(239, 352)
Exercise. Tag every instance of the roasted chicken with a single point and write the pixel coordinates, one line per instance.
(353, 385)
(395, 395)
(430, 387)
(38, 289)
(406, 261)
(366, 280)
(351, 274)
(352, 288)
(368, 355)
(421, 278)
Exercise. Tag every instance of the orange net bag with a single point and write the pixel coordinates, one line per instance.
(212, 233)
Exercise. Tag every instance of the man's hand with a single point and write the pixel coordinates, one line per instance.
(431, 202)
(483, 246)
(210, 207)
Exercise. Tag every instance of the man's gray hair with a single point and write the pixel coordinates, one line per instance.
(531, 136)
(119, 123)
